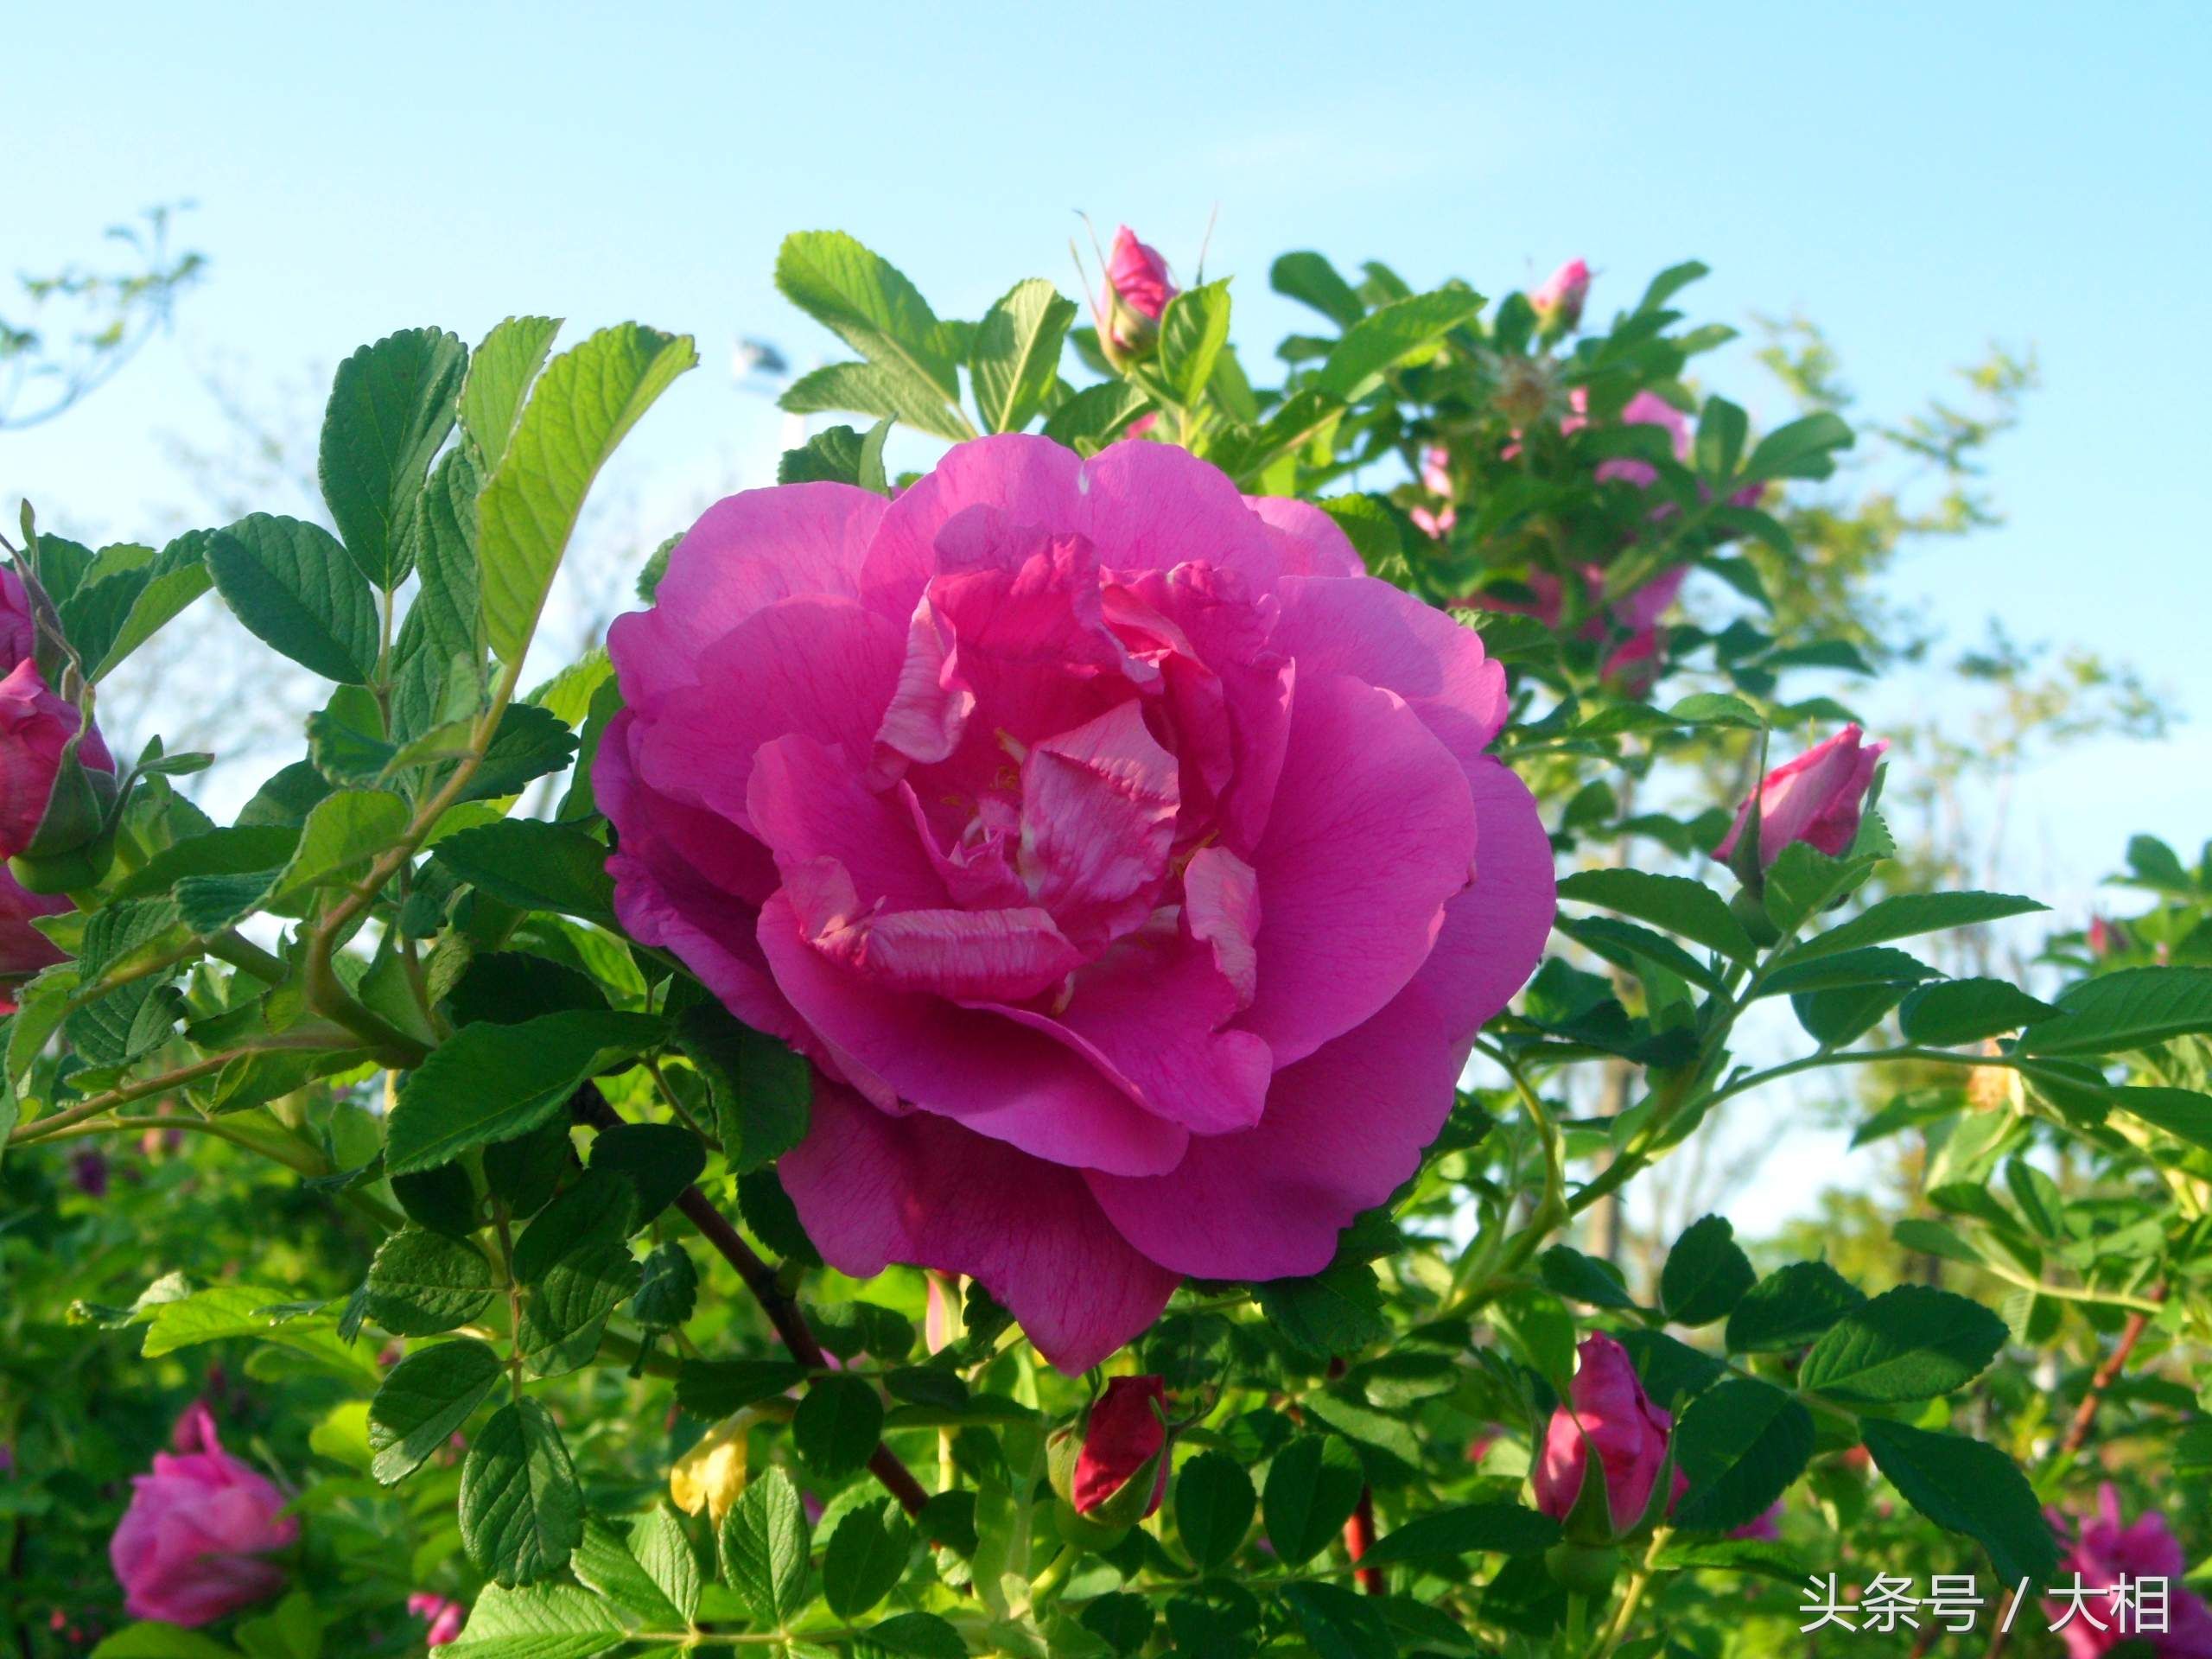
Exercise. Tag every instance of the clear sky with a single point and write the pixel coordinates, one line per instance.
(1921, 180)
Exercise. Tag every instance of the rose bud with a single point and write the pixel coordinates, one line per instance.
(1815, 798)
(1606, 1410)
(1118, 1470)
(191, 1546)
(1138, 289)
(2105, 938)
(1558, 301)
(56, 791)
(443, 1614)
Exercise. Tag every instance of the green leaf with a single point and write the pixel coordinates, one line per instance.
(2133, 1008)
(225, 1311)
(1016, 356)
(1768, 1560)
(764, 1549)
(492, 1082)
(534, 865)
(910, 1636)
(887, 390)
(1627, 946)
(1313, 1486)
(1722, 427)
(111, 617)
(521, 1510)
(866, 1557)
(499, 373)
(1803, 448)
(1741, 1444)
(585, 402)
(1192, 331)
(2183, 1113)
(565, 1318)
(1966, 1487)
(1464, 1530)
(1673, 902)
(424, 1401)
(544, 1621)
(867, 303)
(1956, 1011)
(1790, 1307)
(422, 1283)
(838, 455)
(713, 1389)
(1872, 965)
(762, 1091)
(1338, 1623)
(1582, 1278)
(391, 406)
(658, 1161)
(668, 1290)
(1907, 914)
(1338, 1311)
(1387, 336)
(1312, 280)
(837, 1425)
(1706, 1274)
(293, 588)
(1912, 1343)
(1098, 415)
(607, 1561)
(1214, 1502)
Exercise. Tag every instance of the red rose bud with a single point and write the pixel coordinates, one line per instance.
(57, 791)
(1608, 1412)
(1558, 302)
(1121, 1474)
(1815, 798)
(1138, 289)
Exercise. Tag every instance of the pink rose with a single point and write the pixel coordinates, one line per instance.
(2105, 938)
(1606, 1409)
(2107, 1551)
(1558, 302)
(1645, 409)
(443, 1614)
(1436, 479)
(1762, 1528)
(1815, 798)
(35, 726)
(1108, 841)
(1126, 1432)
(18, 632)
(1138, 289)
(189, 1549)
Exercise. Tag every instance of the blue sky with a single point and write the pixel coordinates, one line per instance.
(1921, 180)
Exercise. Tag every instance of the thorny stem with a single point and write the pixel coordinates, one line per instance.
(590, 1107)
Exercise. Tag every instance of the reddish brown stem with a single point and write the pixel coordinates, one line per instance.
(2085, 1418)
(783, 1311)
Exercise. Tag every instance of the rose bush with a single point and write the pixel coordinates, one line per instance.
(1051, 1041)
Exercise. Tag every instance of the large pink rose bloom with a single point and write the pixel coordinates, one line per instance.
(2110, 1549)
(23, 948)
(1126, 858)
(191, 1546)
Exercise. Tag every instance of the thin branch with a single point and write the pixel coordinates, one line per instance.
(591, 1106)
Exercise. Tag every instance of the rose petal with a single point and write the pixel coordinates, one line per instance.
(992, 1074)
(745, 552)
(1372, 829)
(873, 1190)
(1380, 634)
